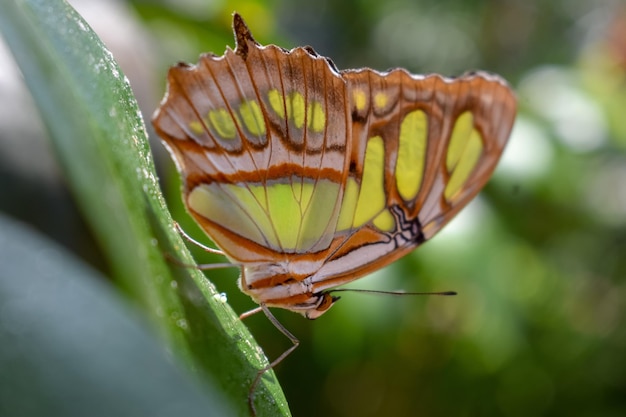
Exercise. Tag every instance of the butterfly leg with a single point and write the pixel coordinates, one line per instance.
(276, 361)
(201, 267)
(195, 242)
(250, 313)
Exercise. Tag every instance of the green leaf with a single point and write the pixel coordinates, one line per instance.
(71, 347)
(99, 136)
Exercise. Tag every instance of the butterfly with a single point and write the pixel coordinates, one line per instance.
(309, 177)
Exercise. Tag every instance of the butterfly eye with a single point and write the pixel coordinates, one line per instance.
(326, 302)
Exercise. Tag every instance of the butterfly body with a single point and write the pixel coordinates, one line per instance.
(310, 177)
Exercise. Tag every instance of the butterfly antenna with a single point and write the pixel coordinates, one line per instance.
(398, 293)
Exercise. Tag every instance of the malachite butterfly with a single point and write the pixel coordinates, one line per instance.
(309, 177)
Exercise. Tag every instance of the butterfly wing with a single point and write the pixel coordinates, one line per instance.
(423, 147)
(260, 136)
(310, 177)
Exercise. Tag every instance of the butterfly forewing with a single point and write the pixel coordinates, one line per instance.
(310, 177)
(434, 141)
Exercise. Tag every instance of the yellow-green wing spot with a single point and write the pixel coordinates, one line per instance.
(223, 123)
(296, 108)
(411, 154)
(300, 212)
(318, 203)
(464, 151)
(385, 221)
(360, 99)
(215, 202)
(196, 127)
(252, 117)
(372, 197)
(380, 100)
(316, 118)
(277, 102)
(348, 205)
(458, 140)
(283, 216)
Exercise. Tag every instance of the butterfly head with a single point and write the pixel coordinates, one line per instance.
(325, 302)
(274, 285)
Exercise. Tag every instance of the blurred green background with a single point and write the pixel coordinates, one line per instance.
(538, 259)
